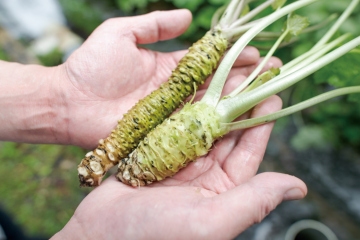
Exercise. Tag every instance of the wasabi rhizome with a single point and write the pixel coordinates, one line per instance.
(191, 132)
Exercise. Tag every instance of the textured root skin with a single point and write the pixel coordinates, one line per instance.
(195, 67)
(171, 146)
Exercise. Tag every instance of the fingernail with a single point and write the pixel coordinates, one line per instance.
(293, 194)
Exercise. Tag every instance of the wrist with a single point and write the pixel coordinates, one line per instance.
(31, 104)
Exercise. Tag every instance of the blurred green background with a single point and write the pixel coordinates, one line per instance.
(39, 184)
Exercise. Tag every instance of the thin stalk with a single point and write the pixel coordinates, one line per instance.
(213, 93)
(321, 24)
(337, 24)
(312, 55)
(231, 108)
(239, 10)
(284, 44)
(290, 110)
(229, 12)
(216, 16)
(260, 66)
(312, 28)
(252, 14)
(306, 59)
(234, 32)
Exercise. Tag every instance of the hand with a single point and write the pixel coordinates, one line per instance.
(109, 73)
(216, 197)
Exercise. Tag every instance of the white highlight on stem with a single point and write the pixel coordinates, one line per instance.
(290, 110)
(213, 93)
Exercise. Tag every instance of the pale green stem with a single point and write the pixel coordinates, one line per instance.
(213, 93)
(251, 14)
(312, 55)
(231, 33)
(230, 108)
(228, 14)
(260, 66)
(227, 127)
(301, 61)
(315, 27)
(321, 24)
(305, 59)
(337, 24)
(284, 44)
(253, 85)
(216, 16)
(239, 10)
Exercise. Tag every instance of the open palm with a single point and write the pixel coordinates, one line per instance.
(216, 197)
(109, 73)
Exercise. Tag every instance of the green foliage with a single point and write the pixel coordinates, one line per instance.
(82, 15)
(278, 4)
(338, 119)
(192, 5)
(343, 72)
(131, 5)
(53, 58)
(340, 122)
(3, 55)
(311, 136)
(39, 185)
(295, 24)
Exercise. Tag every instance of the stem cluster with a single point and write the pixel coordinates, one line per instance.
(255, 89)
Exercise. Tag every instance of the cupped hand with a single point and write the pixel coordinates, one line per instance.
(216, 197)
(109, 73)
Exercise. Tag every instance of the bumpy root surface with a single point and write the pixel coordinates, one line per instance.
(195, 67)
(171, 146)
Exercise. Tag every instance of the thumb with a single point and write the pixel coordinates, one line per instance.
(251, 202)
(155, 26)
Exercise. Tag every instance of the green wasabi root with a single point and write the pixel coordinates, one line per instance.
(171, 146)
(192, 71)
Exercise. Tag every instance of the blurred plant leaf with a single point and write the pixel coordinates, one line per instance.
(192, 5)
(295, 24)
(81, 14)
(218, 2)
(130, 5)
(343, 72)
(310, 136)
(203, 17)
(278, 4)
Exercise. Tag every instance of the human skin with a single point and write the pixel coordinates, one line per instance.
(80, 101)
(217, 197)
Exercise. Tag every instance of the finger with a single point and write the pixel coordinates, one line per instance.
(250, 55)
(244, 160)
(247, 204)
(155, 26)
(247, 70)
